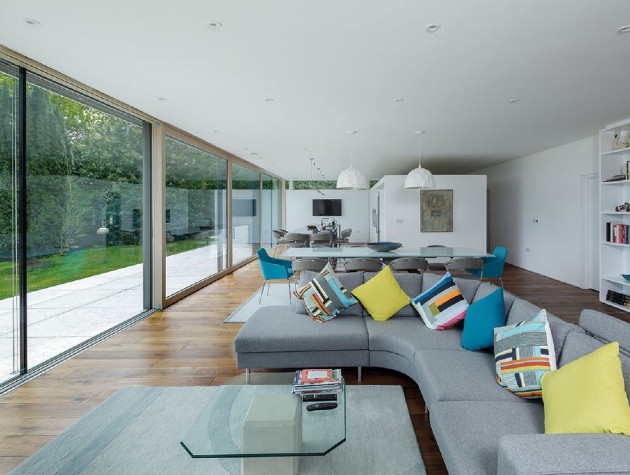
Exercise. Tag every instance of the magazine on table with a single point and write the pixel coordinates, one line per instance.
(310, 381)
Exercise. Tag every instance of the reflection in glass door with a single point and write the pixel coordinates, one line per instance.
(84, 174)
(9, 311)
(271, 209)
(246, 211)
(196, 192)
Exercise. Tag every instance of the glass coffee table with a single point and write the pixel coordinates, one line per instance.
(266, 426)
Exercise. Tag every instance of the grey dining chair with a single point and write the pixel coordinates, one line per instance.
(296, 240)
(344, 237)
(363, 264)
(462, 266)
(320, 239)
(417, 264)
(315, 265)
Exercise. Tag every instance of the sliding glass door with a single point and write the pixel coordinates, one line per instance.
(271, 209)
(246, 211)
(72, 219)
(9, 282)
(196, 211)
(84, 180)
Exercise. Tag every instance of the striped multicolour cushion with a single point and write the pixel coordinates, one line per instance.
(324, 296)
(523, 353)
(442, 306)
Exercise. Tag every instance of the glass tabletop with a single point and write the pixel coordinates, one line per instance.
(264, 421)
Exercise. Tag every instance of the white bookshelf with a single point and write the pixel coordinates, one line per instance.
(614, 258)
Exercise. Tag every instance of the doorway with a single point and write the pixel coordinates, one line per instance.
(590, 231)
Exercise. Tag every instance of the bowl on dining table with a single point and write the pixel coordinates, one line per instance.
(383, 246)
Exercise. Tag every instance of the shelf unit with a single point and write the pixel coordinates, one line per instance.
(614, 258)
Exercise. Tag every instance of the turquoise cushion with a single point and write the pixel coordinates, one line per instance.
(482, 318)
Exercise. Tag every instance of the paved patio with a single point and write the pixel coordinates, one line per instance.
(65, 315)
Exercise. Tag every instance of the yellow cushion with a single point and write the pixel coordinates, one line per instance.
(381, 295)
(587, 395)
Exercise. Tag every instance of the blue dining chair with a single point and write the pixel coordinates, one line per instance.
(493, 266)
(273, 269)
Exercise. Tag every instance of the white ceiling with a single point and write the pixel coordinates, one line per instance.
(337, 65)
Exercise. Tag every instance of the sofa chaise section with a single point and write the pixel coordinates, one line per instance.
(275, 337)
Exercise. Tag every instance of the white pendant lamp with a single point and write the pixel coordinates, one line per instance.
(419, 177)
(351, 178)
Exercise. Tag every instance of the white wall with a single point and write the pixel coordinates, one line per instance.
(354, 208)
(400, 220)
(546, 187)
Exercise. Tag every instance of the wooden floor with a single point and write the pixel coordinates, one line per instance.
(187, 345)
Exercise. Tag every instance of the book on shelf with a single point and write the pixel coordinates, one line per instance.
(617, 233)
(615, 178)
(312, 381)
(618, 298)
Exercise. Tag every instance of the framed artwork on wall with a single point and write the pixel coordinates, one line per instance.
(436, 211)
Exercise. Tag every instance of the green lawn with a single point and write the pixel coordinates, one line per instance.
(77, 264)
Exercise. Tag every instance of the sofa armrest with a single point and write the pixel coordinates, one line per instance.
(564, 454)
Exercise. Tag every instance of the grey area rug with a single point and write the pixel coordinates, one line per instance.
(138, 431)
(278, 295)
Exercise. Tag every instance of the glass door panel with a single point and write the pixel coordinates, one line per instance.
(196, 210)
(246, 211)
(84, 169)
(271, 209)
(9, 310)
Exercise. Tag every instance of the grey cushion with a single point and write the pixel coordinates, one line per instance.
(281, 329)
(459, 376)
(523, 310)
(486, 288)
(579, 344)
(404, 336)
(559, 331)
(410, 283)
(468, 287)
(468, 433)
(429, 279)
(350, 281)
(607, 328)
(527, 454)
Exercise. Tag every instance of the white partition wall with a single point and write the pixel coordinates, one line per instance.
(354, 209)
(400, 211)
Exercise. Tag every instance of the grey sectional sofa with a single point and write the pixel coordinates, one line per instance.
(480, 427)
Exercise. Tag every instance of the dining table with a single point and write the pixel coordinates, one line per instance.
(349, 252)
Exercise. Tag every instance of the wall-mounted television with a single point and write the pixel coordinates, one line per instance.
(326, 207)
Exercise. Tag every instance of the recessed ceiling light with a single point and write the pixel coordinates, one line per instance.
(161, 98)
(515, 100)
(420, 132)
(215, 25)
(351, 132)
(269, 99)
(433, 27)
(32, 22)
(400, 99)
(253, 153)
(624, 29)
(216, 131)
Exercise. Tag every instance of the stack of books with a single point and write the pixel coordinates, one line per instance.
(316, 381)
(617, 233)
(618, 298)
